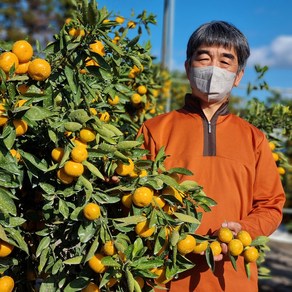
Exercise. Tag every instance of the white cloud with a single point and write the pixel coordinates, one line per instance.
(277, 54)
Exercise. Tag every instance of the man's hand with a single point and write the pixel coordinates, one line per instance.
(235, 228)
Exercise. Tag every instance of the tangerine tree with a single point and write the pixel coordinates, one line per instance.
(81, 207)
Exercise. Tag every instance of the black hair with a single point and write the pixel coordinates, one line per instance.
(220, 33)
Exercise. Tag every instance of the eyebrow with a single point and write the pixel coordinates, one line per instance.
(226, 55)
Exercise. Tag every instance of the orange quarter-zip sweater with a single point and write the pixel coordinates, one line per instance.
(232, 160)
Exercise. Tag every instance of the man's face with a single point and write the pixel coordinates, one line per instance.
(218, 56)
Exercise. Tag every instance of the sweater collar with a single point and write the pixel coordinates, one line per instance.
(192, 105)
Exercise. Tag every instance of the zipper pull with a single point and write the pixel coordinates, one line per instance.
(209, 127)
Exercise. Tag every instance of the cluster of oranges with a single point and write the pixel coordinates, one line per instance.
(241, 244)
(277, 157)
(73, 167)
(20, 58)
(6, 282)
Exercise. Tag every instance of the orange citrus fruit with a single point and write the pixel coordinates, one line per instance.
(91, 211)
(136, 98)
(124, 169)
(158, 201)
(244, 237)
(96, 265)
(91, 287)
(20, 103)
(142, 197)
(109, 248)
(5, 248)
(127, 200)
(186, 245)
(131, 24)
(201, 247)
(142, 89)
(143, 230)
(272, 146)
(7, 60)
(64, 177)
(97, 47)
(215, 248)
(113, 101)
(39, 69)
(235, 247)
(6, 284)
(23, 50)
(251, 254)
(120, 19)
(104, 117)
(73, 168)
(20, 127)
(281, 170)
(275, 156)
(57, 154)
(79, 153)
(225, 234)
(173, 192)
(15, 154)
(78, 142)
(87, 135)
(161, 277)
(22, 68)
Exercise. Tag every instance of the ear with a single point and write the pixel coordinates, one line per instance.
(238, 78)
(187, 67)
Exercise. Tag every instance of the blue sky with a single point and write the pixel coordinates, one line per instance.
(266, 24)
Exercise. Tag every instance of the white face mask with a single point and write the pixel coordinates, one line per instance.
(215, 83)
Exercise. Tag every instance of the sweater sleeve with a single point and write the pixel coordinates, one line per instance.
(268, 195)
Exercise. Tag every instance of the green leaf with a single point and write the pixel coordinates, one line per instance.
(130, 280)
(57, 266)
(37, 113)
(186, 218)
(74, 261)
(174, 238)
(233, 261)
(130, 220)
(7, 205)
(43, 259)
(15, 221)
(44, 244)
(260, 240)
(110, 262)
(10, 137)
(189, 185)
(79, 116)
(70, 78)
(126, 145)
(92, 249)
(93, 169)
(160, 241)
(63, 208)
(72, 126)
(210, 259)
(247, 269)
(86, 232)
(3, 235)
(75, 285)
(16, 236)
(137, 247)
(86, 183)
(31, 160)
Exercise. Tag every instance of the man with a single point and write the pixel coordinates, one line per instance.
(228, 156)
